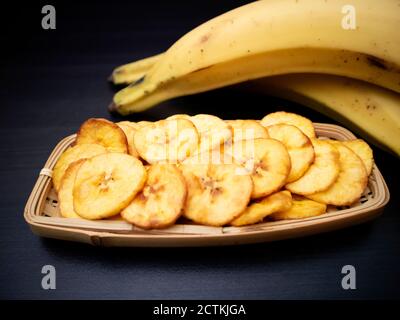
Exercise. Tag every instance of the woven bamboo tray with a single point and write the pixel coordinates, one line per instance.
(42, 214)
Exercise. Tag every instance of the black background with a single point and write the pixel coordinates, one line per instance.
(52, 80)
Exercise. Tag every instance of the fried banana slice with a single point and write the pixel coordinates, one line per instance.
(296, 120)
(247, 129)
(216, 193)
(103, 132)
(141, 124)
(363, 150)
(298, 145)
(351, 182)
(214, 156)
(72, 154)
(161, 201)
(106, 184)
(212, 130)
(167, 141)
(300, 209)
(257, 211)
(65, 197)
(129, 129)
(322, 173)
(179, 116)
(266, 160)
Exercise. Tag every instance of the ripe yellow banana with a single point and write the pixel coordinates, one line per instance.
(369, 110)
(274, 37)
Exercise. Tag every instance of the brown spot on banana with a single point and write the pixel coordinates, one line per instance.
(201, 69)
(204, 38)
(381, 63)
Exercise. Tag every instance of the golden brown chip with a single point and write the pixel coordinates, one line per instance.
(363, 150)
(179, 116)
(296, 120)
(217, 194)
(213, 131)
(103, 132)
(161, 201)
(141, 124)
(257, 211)
(298, 145)
(106, 184)
(129, 129)
(72, 154)
(215, 156)
(65, 197)
(300, 209)
(322, 173)
(167, 141)
(266, 160)
(350, 183)
(247, 129)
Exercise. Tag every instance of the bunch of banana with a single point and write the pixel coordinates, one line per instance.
(369, 110)
(269, 38)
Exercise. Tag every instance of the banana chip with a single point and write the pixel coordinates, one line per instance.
(322, 173)
(363, 150)
(266, 160)
(179, 116)
(216, 193)
(215, 156)
(247, 129)
(129, 129)
(106, 184)
(167, 141)
(298, 145)
(257, 211)
(103, 132)
(300, 209)
(213, 131)
(351, 182)
(65, 196)
(296, 120)
(161, 201)
(72, 154)
(141, 124)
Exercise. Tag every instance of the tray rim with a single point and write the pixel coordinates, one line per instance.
(249, 234)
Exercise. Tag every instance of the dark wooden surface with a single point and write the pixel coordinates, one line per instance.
(51, 81)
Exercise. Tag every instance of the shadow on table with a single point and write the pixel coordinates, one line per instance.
(325, 245)
(226, 103)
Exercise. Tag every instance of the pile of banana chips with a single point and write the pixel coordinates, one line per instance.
(207, 170)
